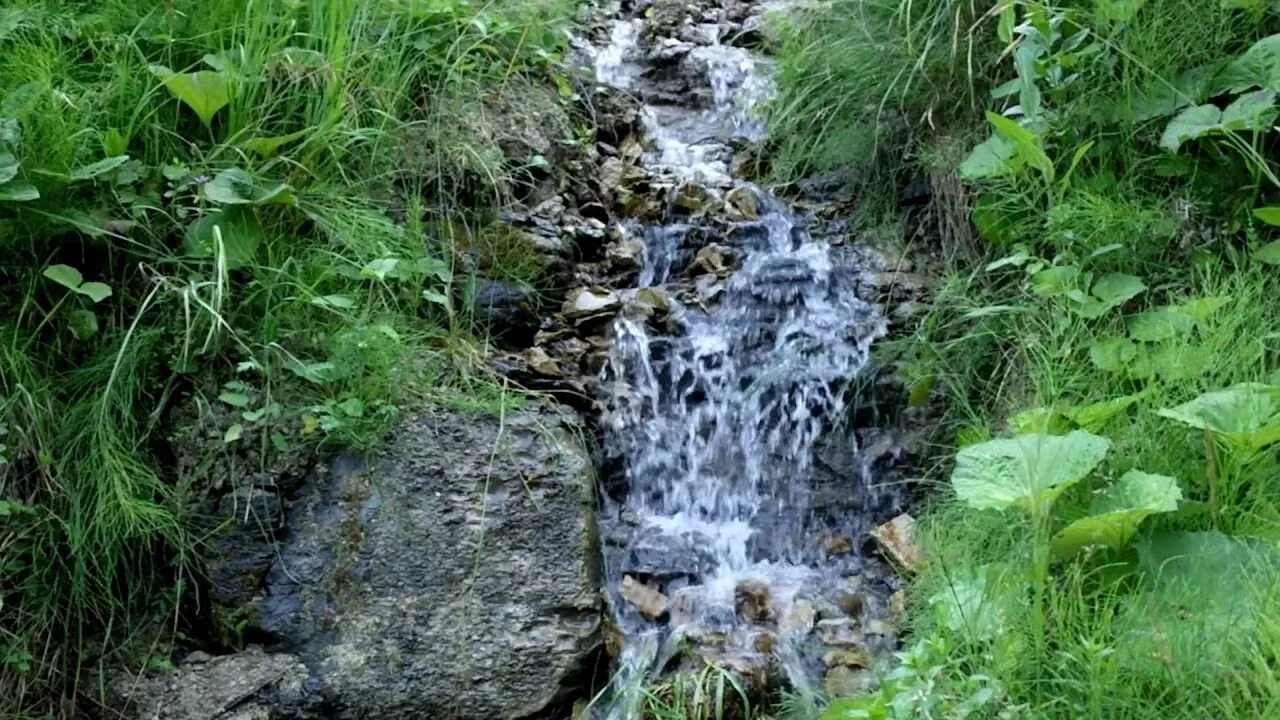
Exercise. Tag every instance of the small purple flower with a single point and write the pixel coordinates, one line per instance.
(200, 179)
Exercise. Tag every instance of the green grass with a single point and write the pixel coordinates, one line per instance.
(1008, 351)
(294, 264)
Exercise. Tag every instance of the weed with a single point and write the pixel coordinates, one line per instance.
(209, 203)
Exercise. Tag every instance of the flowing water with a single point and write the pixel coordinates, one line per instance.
(716, 423)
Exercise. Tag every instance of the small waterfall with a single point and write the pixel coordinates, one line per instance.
(716, 418)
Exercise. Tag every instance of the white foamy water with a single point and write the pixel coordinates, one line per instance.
(716, 424)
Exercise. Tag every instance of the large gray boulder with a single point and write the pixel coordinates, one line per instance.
(456, 577)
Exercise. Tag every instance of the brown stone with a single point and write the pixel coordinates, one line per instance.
(651, 603)
(897, 606)
(896, 540)
(838, 545)
(764, 642)
(752, 598)
(846, 658)
(839, 631)
(844, 681)
(851, 603)
(741, 204)
(798, 619)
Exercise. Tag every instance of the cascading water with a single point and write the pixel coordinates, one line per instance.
(715, 423)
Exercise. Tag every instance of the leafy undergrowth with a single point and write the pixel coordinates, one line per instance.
(1105, 524)
(273, 211)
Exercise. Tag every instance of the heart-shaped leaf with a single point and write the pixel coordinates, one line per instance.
(1028, 471)
(95, 291)
(237, 187)
(993, 157)
(206, 92)
(65, 275)
(1109, 292)
(1194, 122)
(1247, 416)
(978, 602)
(1269, 253)
(1162, 324)
(1117, 512)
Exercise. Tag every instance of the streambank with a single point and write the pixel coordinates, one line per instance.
(700, 482)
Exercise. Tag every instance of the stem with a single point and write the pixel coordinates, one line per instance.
(1040, 571)
(1211, 472)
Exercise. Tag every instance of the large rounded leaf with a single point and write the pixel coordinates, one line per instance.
(1118, 511)
(1030, 470)
(1247, 416)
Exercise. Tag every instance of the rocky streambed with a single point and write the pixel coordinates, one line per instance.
(714, 474)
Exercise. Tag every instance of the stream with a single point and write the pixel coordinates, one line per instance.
(720, 545)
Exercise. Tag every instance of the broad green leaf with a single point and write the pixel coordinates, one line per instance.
(1157, 325)
(18, 191)
(1201, 309)
(1117, 512)
(1251, 111)
(1039, 420)
(234, 399)
(8, 166)
(380, 268)
(65, 275)
(1243, 4)
(114, 143)
(978, 602)
(1028, 471)
(438, 298)
(1269, 253)
(1161, 98)
(1027, 145)
(234, 433)
(1268, 215)
(237, 187)
(10, 131)
(1109, 292)
(991, 158)
(435, 267)
(206, 92)
(1192, 123)
(1179, 361)
(352, 407)
(1202, 596)
(83, 324)
(233, 230)
(334, 301)
(1055, 281)
(95, 291)
(1113, 354)
(1247, 416)
(268, 146)
(1093, 416)
(1259, 66)
(101, 167)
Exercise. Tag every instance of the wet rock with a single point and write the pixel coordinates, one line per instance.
(245, 548)
(851, 602)
(752, 600)
(610, 174)
(249, 684)
(741, 204)
(625, 255)
(715, 259)
(839, 631)
(897, 606)
(844, 681)
(846, 658)
(649, 602)
(615, 113)
(507, 310)
(838, 545)
(691, 197)
(798, 619)
(395, 583)
(591, 302)
(896, 540)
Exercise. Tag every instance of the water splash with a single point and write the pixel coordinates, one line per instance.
(716, 423)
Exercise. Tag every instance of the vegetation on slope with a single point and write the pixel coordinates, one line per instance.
(266, 214)
(1104, 528)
